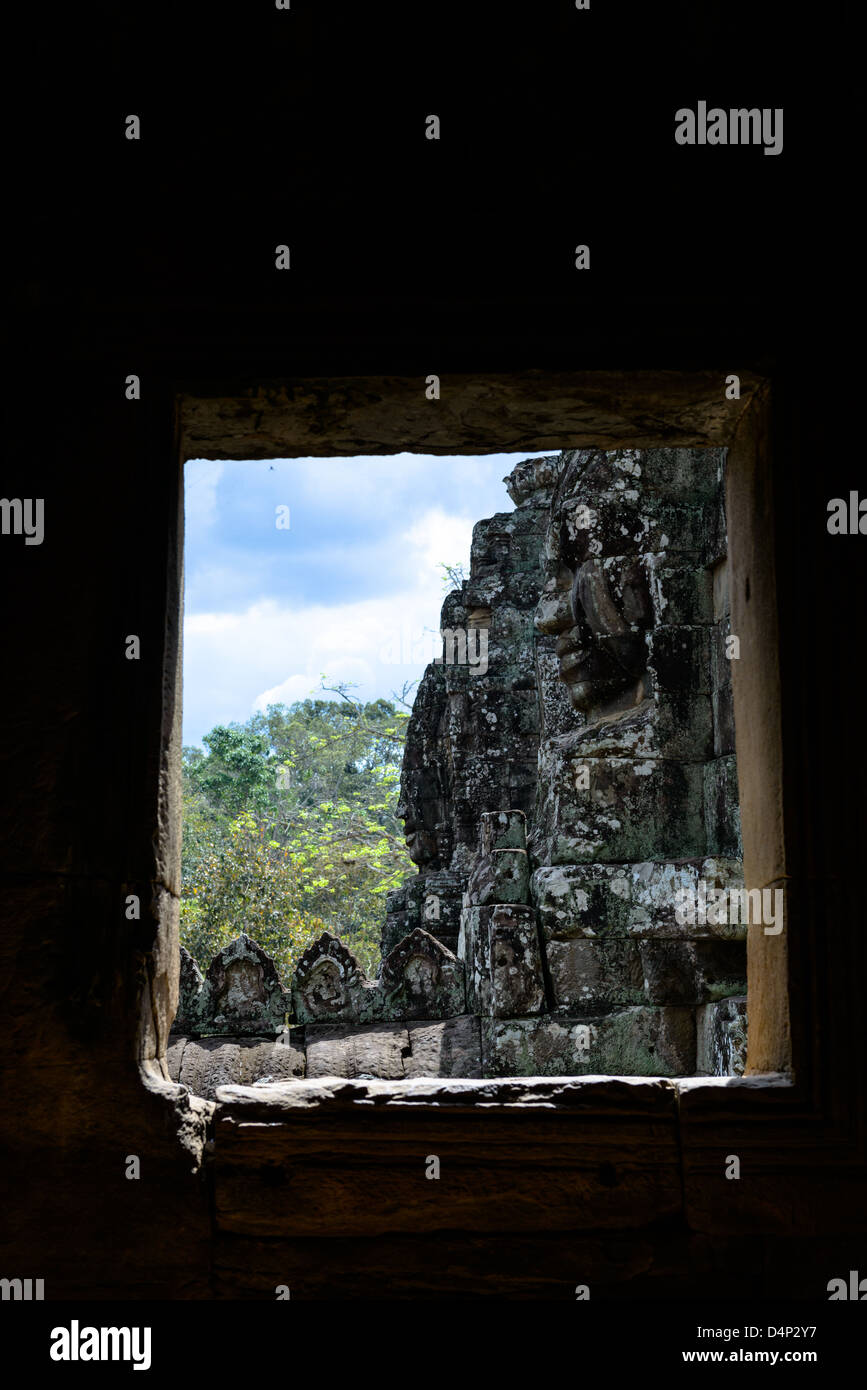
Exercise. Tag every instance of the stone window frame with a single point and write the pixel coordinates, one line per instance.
(674, 1133)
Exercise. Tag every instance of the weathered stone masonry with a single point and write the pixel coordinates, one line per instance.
(555, 799)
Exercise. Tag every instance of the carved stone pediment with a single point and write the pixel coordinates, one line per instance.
(421, 978)
(241, 993)
(330, 984)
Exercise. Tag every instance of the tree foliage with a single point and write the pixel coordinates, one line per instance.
(290, 828)
(453, 576)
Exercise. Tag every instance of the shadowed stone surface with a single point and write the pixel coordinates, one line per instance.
(515, 965)
(82, 819)
(374, 1051)
(594, 974)
(209, 1063)
(447, 1047)
(450, 1048)
(500, 945)
(641, 1041)
(692, 972)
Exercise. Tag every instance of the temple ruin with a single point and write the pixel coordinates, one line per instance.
(559, 798)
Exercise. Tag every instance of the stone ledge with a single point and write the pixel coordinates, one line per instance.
(500, 1091)
(611, 1095)
(358, 415)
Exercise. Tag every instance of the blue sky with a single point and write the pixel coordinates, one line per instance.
(346, 591)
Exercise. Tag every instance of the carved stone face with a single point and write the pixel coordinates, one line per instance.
(324, 991)
(420, 818)
(421, 977)
(243, 988)
(595, 598)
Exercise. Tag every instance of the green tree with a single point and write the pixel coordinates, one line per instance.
(246, 881)
(290, 827)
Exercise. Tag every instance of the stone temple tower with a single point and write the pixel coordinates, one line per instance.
(603, 725)
(473, 739)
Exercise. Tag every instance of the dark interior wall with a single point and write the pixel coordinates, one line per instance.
(408, 258)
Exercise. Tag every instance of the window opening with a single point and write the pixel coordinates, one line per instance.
(570, 897)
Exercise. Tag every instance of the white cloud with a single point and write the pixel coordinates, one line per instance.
(273, 649)
(438, 538)
(294, 688)
(272, 652)
(235, 663)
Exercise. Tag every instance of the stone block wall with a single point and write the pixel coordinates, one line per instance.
(637, 786)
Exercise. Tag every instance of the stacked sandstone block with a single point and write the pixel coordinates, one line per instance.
(581, 970)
